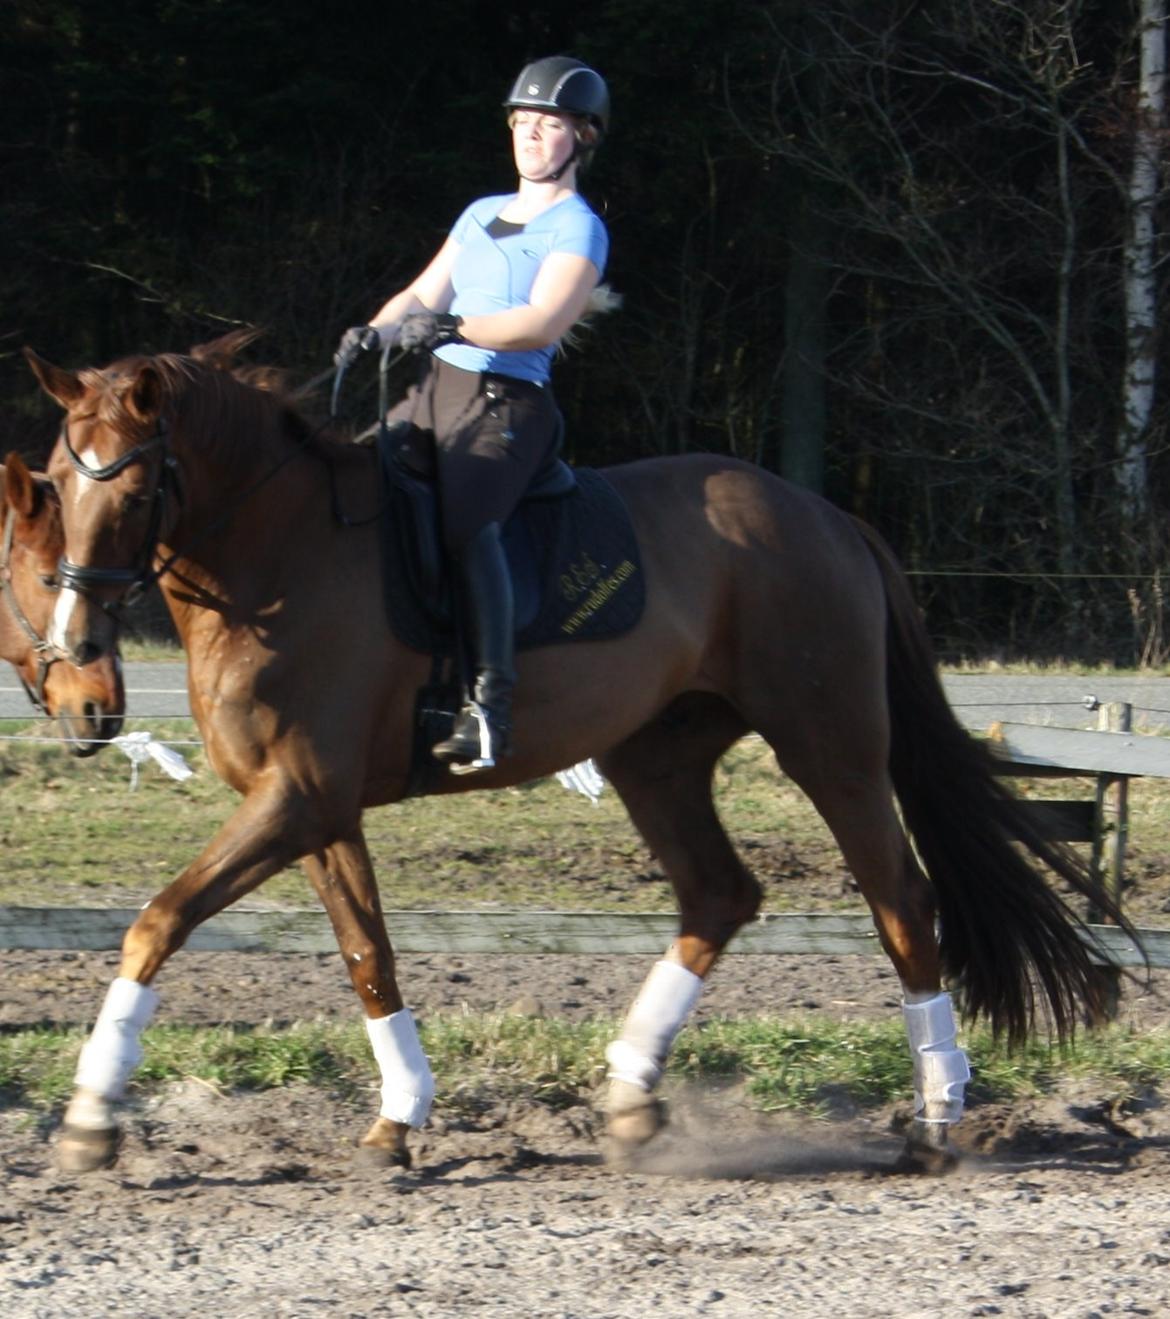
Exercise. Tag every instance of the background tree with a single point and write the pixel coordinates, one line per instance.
(880, 247)
(965, 158)
(1140, 268)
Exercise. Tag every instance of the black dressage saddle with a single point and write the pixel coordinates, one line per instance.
(572, 552)
(574, 558)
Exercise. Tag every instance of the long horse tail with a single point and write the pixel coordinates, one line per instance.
(1007, 936)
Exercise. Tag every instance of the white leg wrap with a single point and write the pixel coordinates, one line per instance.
(112, 1051)
(659, 1012)
(407, 1084)
(941, 1070)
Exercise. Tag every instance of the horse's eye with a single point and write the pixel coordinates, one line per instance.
(51, 581)
(134, 503)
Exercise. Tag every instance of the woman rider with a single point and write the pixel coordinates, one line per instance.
(513, 276)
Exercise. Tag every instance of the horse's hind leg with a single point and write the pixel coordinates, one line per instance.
(859, 809)
(663, 775)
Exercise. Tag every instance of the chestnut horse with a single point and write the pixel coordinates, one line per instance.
(87, 703)
(767, 610)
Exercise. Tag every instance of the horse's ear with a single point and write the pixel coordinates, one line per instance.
(64, 386)
(143, 399)
(23, 492)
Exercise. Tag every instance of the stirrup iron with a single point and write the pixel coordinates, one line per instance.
(472, 745)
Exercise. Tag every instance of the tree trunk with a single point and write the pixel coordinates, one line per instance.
(1140, 277)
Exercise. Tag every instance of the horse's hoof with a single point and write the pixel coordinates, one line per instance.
(384, 1146)
(926, 1152)
(88, 1149)
(915, 1161)
(382, 1156)
(638, 1124)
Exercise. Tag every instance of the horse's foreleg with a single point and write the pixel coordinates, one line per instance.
(344, 880)
(265, 834)
(663, 776)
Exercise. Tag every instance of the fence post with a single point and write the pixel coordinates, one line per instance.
(1111, 836)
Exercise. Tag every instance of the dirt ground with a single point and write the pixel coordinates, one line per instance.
(241, 1205)
(250, 1204)
(215, 988)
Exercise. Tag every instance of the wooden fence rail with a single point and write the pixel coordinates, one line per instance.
(100, 929)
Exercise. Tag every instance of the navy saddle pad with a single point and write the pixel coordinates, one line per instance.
(576, 568)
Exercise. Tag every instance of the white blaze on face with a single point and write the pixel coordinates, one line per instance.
(59, 623)
(68, 599)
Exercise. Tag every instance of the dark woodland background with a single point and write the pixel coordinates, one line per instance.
(876, 247)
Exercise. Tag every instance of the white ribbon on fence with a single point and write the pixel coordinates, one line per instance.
(584, 778)
(141, 747)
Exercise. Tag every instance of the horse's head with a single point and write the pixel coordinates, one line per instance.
(155, 454)
(113, 470)
(88, 702)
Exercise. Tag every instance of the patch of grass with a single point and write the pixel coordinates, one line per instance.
(75, 834)
(1051, 668)
(479, 1059)
(789, 1065)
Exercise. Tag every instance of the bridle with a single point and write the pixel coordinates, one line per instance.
(45, 653)
(140, 576)
(137, 579)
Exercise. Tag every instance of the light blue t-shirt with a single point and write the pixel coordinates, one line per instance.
(494, 274)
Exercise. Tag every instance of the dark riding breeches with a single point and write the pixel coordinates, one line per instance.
(492, 435)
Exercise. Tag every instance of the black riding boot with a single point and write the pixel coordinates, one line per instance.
(483, 728)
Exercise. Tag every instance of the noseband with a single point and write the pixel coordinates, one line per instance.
(82, 579)
(46, 655)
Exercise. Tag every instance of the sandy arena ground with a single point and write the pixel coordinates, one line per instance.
(243, 1205)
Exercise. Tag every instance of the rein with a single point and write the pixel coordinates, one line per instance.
(385, 364)
(46, 655)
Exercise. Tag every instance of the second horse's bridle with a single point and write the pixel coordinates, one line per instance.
(46, 655)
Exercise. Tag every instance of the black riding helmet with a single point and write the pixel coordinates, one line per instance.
(563, 85)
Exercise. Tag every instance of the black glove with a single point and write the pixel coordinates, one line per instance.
(356, 340)
(429, 329)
